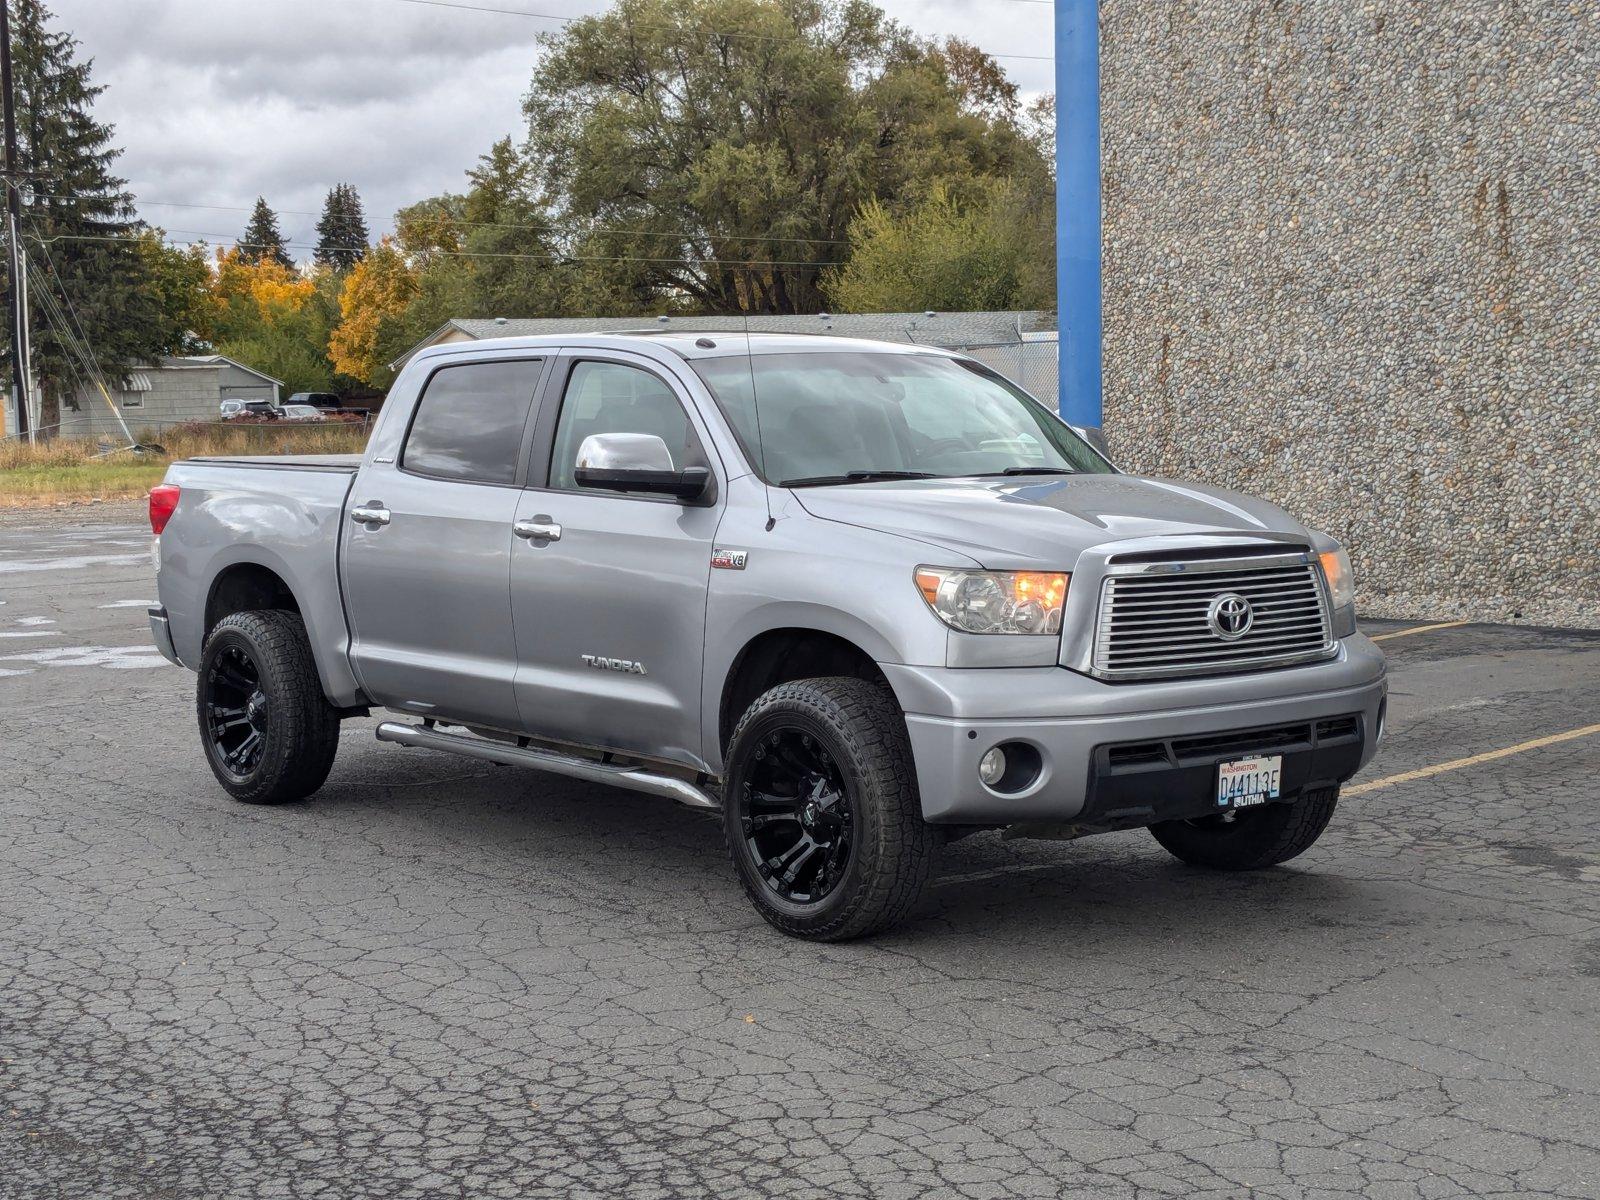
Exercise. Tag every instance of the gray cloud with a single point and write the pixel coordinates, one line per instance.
(219, 101)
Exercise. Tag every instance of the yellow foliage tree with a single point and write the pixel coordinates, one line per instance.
(270, 317)
(246, 295)
(378, 288)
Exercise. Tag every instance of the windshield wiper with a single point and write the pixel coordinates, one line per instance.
(855, 477)
(1036, 471)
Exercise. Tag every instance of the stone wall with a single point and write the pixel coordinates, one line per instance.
(1352, 264)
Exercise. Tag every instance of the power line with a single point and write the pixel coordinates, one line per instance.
(759, 37)
(211, 239)
(465, 224)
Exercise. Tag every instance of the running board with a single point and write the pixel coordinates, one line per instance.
(635, 779)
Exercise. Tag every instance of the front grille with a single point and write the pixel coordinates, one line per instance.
(1155, 620)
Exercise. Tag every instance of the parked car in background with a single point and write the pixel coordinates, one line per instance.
(861, 598)
(315, 399)
(249, 408)
(303, 412)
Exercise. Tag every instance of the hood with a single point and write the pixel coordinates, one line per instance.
(1044, 522)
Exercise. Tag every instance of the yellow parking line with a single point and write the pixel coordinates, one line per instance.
(1458, 763)
(1383, 637)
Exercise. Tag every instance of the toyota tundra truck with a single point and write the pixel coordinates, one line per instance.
(860, 599)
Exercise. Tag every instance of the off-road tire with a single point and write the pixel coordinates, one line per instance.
(1255, 838)
(893, 852)
(302, 730)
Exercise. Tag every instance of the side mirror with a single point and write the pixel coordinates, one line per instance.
(1096, 437)
(636, 462)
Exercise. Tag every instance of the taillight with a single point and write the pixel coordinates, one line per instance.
(163, 500)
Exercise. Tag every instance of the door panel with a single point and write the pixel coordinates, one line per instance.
(429, 597)
(427, 548)
(610, 616)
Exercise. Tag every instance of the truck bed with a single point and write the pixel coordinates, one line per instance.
(281, 514)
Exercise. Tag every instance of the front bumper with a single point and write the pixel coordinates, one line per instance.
(161, 634)
(955, 715)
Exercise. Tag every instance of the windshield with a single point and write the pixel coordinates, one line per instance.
(846, 416)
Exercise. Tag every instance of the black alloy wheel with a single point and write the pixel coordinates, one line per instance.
(238, 711)
(821, 814)
(797, 817)
(269, 733)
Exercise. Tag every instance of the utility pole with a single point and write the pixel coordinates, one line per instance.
(21, 357)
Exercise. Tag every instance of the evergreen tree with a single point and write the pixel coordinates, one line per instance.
(262, 241)
(342, 231)
(79, 232)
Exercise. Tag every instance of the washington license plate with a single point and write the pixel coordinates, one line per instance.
(1247, 781)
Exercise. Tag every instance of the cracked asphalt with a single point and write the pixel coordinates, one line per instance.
(440, 978)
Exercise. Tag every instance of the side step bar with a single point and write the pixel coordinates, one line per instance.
(635, 779)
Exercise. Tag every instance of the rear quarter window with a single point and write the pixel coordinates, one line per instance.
(470, 421)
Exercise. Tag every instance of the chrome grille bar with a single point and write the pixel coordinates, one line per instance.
(1153, 619)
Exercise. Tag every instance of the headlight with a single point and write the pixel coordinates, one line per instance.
(1341, 583)
(995, 601)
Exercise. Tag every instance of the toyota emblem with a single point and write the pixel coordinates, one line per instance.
(1230, 616)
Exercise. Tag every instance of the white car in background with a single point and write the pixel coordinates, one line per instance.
(303, 412)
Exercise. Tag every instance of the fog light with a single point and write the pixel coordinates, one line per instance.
(992, 766)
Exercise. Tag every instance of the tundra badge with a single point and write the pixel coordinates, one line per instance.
(601, 663)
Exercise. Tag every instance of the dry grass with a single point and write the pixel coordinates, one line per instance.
(68, 469)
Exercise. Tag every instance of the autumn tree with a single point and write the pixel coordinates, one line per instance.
(267, 316)
(377, 290)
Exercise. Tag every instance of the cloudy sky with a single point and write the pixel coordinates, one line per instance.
(217, 101)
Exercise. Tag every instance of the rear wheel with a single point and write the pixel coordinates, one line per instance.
(821, 811)
(1250, 838)
(269, 733)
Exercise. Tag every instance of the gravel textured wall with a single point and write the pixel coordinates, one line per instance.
(1352, 263)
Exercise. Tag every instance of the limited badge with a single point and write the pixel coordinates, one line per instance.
(728, 560)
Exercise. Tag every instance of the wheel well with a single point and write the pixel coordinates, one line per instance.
(247, 586)
(782, 656)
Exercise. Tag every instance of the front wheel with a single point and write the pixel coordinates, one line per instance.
(1248, 839)
(821, 810)
(269, 733)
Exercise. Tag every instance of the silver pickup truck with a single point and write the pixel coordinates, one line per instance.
(860, 598)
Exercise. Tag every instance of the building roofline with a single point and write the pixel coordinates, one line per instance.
(193, 362)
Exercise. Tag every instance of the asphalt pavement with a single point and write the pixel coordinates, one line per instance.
(441, 978)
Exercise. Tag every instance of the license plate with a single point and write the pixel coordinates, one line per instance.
(1247, 781)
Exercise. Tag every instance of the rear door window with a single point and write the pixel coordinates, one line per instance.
(470, 421)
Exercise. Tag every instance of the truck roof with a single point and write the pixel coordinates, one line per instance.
(688, 343)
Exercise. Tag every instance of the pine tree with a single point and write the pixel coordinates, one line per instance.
(342, 231)
(262, 240)
(79, 231)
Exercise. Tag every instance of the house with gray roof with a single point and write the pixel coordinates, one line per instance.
(169, 391)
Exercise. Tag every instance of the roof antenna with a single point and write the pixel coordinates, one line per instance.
(755, 405)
